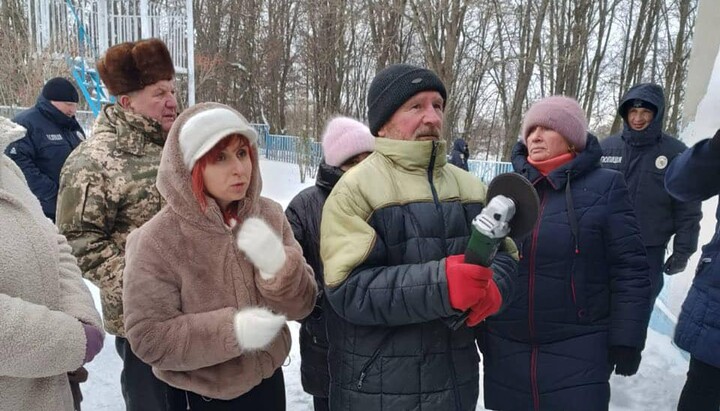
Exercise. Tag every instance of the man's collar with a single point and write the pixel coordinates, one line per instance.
(413, 155)
(135, 130)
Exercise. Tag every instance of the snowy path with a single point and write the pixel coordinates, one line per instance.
(656, 386)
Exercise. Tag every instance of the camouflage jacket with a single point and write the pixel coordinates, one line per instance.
(107, 189)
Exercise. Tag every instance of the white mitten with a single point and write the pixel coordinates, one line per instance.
(256, 327)
(262, 246)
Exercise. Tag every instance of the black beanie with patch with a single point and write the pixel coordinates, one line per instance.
(60, 89)
(393, 86)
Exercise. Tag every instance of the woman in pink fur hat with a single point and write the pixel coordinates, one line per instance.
(345, 143)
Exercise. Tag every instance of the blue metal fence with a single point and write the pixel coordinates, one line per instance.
(487, 170)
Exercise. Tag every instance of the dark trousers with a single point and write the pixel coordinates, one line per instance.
(141, 389)
(321, 404)
(656, 260)
(269, 395)
(702, 388)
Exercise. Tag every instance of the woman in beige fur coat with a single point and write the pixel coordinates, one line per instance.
(48, 323)
(211, 280)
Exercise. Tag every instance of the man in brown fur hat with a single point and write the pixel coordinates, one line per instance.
(107, 188)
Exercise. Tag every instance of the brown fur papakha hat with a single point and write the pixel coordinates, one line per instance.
(132, 66)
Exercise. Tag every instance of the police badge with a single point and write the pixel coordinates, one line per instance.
(661, 162)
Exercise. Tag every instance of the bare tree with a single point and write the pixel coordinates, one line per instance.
(443, 44)
(529, 45)
(278, 58)
(387, 20)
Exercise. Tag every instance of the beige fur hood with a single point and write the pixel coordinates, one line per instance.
(185, 279)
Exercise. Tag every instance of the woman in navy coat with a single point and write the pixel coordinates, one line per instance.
(583, 300)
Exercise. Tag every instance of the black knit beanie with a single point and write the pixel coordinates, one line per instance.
(60, 89)
(393, 86)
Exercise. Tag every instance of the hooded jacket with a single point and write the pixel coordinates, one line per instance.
(303, 213)
(643, 157)
(386, 229)
(693, 176)
(43, 298)
(185, 279)
(41, 153)
(460, 154)
(583, 286)
(107, 189)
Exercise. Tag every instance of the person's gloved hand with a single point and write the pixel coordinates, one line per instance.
(467, 283)
(78, 376)
(626, 360)
(675, 264)
(256, 327)
(262, 247)
(94, 340)
(486, 307)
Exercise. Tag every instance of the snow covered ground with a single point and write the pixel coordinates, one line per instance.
(656, 387)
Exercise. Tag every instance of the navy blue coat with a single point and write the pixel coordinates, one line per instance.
(304, 213)
(643, 157)
(583, 286)
(695, 176)
(460, 154)
(51, 136)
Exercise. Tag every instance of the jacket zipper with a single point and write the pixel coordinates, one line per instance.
(430, 170)
(436, 200)
(531, 305)
(373, 357)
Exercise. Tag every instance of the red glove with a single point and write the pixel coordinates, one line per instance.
(486, 307)
(467, 283)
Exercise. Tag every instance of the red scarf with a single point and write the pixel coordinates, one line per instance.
(545, 167)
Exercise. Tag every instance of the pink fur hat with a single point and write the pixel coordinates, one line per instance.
(559, 113)
(345, 138)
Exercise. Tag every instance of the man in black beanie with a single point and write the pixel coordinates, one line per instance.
(393, 233)
(52, 133)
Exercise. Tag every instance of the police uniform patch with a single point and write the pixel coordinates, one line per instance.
(661, 162)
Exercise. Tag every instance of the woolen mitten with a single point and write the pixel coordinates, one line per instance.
(675, 264)
(256, 327)
(262, 247)
(467, 283)
(93, 342)
(486, 307)
(625, 359)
